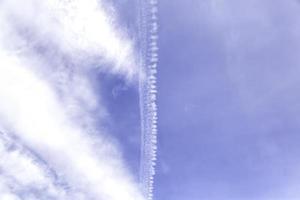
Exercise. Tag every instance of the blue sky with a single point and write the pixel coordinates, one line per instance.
(228, 103)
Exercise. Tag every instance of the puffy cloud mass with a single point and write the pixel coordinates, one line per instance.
(49, 145)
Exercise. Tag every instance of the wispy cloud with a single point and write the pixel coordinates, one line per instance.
(46, 51)
(77, 29)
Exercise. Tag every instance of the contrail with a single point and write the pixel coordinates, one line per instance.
(148, 39)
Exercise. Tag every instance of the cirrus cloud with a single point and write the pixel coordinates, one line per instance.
(49, 148)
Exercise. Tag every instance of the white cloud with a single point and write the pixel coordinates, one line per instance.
(41, 107)
(78, 28)
(22, 173)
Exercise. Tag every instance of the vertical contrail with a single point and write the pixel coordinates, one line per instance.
(148, 62)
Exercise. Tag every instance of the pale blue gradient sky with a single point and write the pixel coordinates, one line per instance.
(228, 100)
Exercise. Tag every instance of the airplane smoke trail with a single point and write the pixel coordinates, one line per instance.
(148, 90)
(47, 50)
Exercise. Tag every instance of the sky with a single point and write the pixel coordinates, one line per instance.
(228, 100)
(76, 122)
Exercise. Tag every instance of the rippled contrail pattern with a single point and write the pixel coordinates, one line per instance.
(148, 93)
